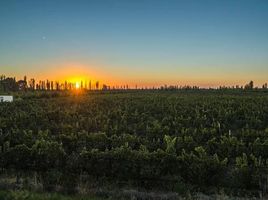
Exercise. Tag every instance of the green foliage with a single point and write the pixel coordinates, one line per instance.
(25, 195)
(153, 139)
(170, 144)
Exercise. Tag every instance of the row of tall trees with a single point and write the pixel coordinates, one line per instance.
(10, 84)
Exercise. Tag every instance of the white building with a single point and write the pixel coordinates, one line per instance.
(5, 98)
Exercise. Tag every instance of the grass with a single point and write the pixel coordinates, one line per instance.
(26, 195)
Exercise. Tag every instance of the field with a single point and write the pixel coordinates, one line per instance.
(172, 141)
(25, 195)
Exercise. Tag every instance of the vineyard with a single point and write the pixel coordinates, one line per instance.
(158, 140)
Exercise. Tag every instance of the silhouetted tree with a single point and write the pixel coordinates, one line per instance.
(32, 84)
(89, 85)
(9, 84)
(249, 86)
(57, 85)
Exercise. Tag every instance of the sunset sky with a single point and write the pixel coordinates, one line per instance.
(143, 42)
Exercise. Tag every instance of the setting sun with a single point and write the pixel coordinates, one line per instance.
(77, 86)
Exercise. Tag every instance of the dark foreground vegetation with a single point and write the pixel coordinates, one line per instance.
(26, 195)
(173, 141)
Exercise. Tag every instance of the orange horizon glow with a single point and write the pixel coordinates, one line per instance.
(77, 80)
(76, 73)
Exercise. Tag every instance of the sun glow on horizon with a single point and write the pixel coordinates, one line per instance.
(77, 85)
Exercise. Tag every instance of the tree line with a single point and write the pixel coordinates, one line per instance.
(11, 84)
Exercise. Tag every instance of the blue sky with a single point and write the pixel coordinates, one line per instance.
(145, 42)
